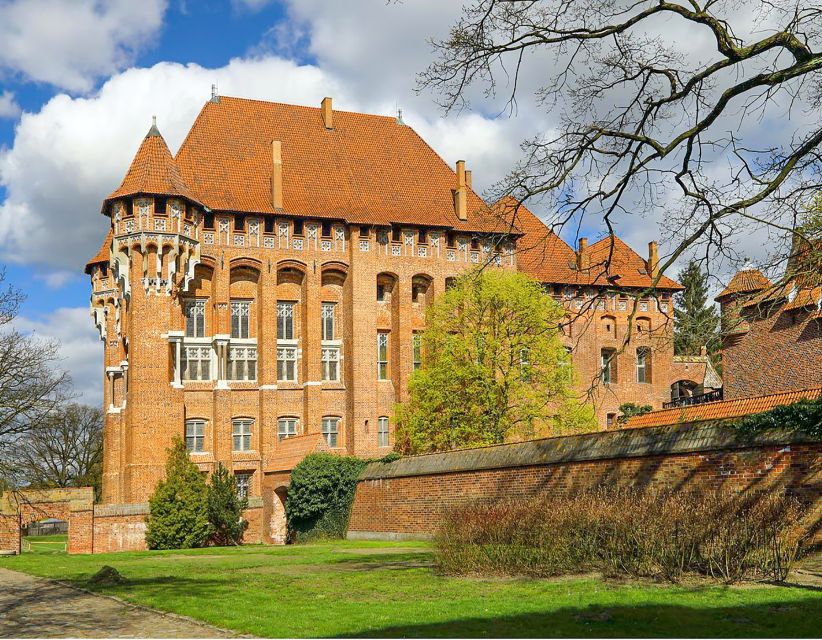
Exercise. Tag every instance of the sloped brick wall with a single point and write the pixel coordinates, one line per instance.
(404, 499)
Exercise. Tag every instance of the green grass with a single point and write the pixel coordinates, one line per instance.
(390, 590)
(51, 544)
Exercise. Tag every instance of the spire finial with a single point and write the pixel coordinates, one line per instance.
(399, 115)
(154, 131)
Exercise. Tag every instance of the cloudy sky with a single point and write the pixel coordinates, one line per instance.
(80, 80)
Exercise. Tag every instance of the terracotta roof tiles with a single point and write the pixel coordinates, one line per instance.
(745, 281)
(103, 254)
(291, 451)
(723, 409)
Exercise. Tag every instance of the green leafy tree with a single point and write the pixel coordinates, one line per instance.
(225, 508)
(630, 409)
(494, 368)
(320, 495)
(696, 321)
(178, 509)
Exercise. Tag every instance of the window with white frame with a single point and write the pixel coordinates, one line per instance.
(286, 428)
(416, 350)
(382, 431)
(329, 312)
(287, 364)
(285, 321)
(240, 314)
(195, 318)
(331, 363)
(241, 432)
(195, 436)
(382, 355)
(608, 364)
(643, 364)
(242, 363)
(196, 362)
(331, 427)
(243, 481)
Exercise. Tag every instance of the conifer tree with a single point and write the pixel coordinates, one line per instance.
(696, 322)
(178, 509)
(225, 508)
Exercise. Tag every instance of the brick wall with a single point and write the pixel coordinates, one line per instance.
(772, 351)
(405, 498)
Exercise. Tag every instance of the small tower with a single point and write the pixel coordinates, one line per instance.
(747, 282)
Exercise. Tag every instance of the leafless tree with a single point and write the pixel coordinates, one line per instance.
(644, 126)
(66, 450)
(31, 387)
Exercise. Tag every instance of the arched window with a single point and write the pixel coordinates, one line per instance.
(195, 435)
(385, 287)
(331, 430)
(382, 431)
(643, 364)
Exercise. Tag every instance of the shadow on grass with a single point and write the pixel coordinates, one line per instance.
(797, 618)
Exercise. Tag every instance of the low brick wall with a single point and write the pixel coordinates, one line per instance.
(120, 527)
(404, 499)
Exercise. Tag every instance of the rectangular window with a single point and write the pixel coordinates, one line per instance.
(208, 221)
(331, 431)
(331, 364)
(329, 312)
(298, 227)
(195, 318)
(287, 364)
(642, 365)
(285, 321)
(382, 356)
(242, 434)
(422, 237)
(382, 431)
(380, 292)
(240, 313)
(243, 481)
(286, 428)
(608, 366)
(242, 363)
(610, 420)
(416, 350)
(195, 435)
(364, 231)
(395, 234)
(160, 205)
(239, 222)
(196, 364)
(325, 230)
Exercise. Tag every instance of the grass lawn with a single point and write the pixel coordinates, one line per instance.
(389, 589)
(51, 544)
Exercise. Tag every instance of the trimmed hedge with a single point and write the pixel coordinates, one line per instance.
(321, 493)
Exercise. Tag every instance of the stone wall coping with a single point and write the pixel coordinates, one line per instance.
(113, 510)
(603, 445)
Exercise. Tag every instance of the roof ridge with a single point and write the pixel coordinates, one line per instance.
(302, 106)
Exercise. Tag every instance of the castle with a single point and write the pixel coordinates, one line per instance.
(261, 294)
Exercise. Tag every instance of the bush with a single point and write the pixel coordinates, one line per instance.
(225, 508)
(804, 416)
(178, 509)
(320, 495)
(664, 535)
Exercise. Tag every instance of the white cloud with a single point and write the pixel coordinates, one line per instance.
(81, 350)
(71, 44)
(8, 105)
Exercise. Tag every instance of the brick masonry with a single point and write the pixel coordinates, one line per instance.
(405, 498)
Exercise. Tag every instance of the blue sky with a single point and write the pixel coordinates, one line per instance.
(80, 80)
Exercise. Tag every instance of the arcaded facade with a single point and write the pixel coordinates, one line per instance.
(261, 294)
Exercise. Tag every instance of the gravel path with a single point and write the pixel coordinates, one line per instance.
(33, 607)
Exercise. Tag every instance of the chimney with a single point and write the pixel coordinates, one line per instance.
(461, 193)
(653, 260)
(468, 179)
(276, 174)
(328, 113)
(583, 258)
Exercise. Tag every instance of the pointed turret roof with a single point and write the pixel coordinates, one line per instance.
(748, 280)
(103, 255)
(153, 171)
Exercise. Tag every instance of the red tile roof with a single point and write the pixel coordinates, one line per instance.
(291, 451)
(367, 170)
(543, 255)
(153, 171)
(721, 410)
(745, 281)
(805, 298)
(103, 254)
